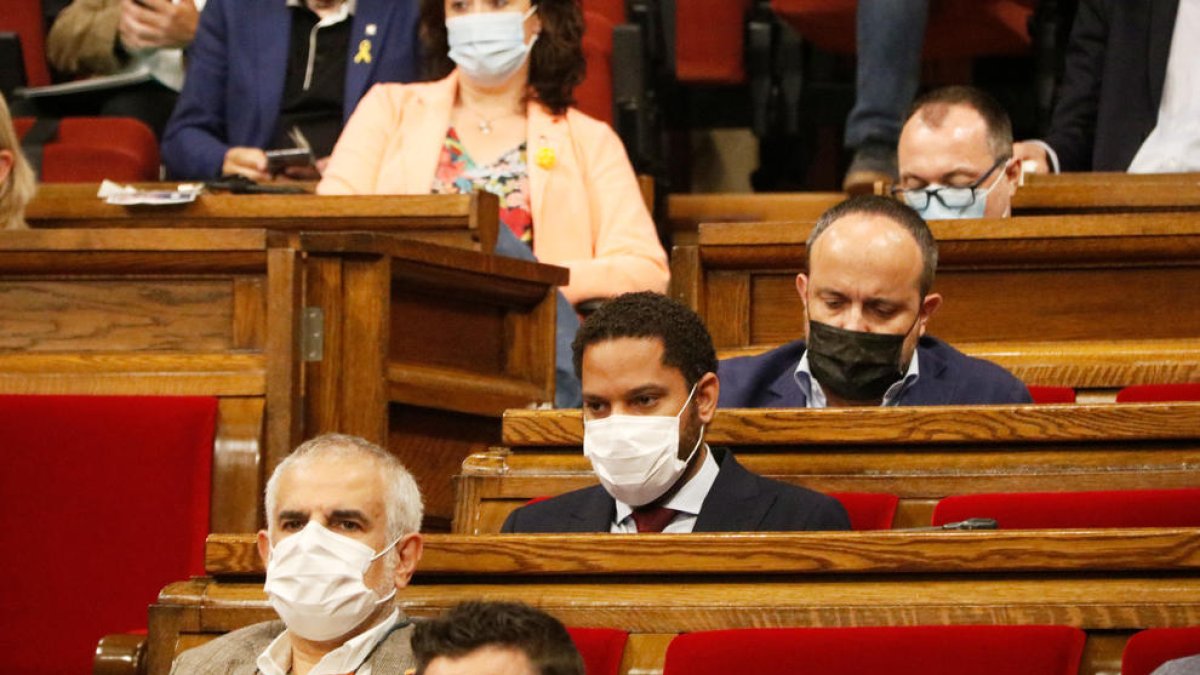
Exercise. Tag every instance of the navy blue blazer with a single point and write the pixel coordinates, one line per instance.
(948, 377)
(236, 68)
(1112, 83)
(739, 501)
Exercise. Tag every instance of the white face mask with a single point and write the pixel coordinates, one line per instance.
(315, 582)
(489, 46)
(636, 457)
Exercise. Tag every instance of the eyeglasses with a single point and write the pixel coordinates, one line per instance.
(950, 197)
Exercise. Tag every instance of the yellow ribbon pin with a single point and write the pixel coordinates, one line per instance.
(545, 157)
(364, 52)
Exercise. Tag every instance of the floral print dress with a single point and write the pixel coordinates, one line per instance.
(507, 178)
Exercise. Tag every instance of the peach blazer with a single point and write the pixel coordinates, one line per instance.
(588, 213)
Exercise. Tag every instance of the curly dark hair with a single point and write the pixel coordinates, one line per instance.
(472, 625)
(686, 342)
(556, 64)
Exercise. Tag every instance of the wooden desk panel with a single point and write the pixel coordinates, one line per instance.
(1109, 583)
(918, 454)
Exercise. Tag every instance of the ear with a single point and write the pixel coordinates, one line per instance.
(802, 288)
(264, 547)
(1013, 172)
(7, 159)
(708, 390)
(930, 305)
(408, 550)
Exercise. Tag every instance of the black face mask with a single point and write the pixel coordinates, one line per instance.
(854, 365)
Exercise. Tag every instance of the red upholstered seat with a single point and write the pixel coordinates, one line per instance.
(90, 149)
(613, 10)
(956, 28)
(710, 41)
(1043, 395)
(1159, 393)
(594, 95)
(868, 510)
(24, 17)
(601, 649)
(103, 501)
(1117, 508)
(902, 650)
(1149, 649)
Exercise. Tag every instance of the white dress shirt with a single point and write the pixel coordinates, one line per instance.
(349, 658)
(687, 501)
(1174, 145)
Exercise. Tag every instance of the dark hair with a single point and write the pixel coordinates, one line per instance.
(686, 342)
(898, 212)
(556, 64)
(472, 625)
(934, 105)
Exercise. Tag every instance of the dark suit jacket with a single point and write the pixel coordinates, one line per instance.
(739, 501)
(948, 377)
(1112, 83)
(237, 65)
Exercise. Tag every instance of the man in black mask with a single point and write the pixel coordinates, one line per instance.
(871, 262)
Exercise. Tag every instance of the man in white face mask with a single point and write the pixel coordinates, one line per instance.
(650, 388)
(341, 540)
(956, 158)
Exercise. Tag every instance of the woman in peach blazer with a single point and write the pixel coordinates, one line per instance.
(587, 210)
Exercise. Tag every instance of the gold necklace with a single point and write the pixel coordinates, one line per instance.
(485, 123)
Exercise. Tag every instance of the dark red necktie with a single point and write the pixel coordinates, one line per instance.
(653, 518)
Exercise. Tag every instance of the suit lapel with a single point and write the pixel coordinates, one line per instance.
(929, 389)
(734, 504)
(594, 512)
(1161, 25)
(272, 57)
(423, 130)
(546, 144)
(367, 29)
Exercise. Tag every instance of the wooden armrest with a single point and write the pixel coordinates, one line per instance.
(119, 654)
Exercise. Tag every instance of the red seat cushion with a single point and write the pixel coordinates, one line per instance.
(710, 41)
(903, 650)
(1149, 649)
(601, 649)
(24, 17)
(868, 510)
(1043, 395)
(594, 95)
(1159, 393)
(90, 149)
(956, 28)
(1117, 508)
(105, 500)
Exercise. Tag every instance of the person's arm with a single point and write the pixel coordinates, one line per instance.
(627, 254)
(353, 168)
(194, 144)
(1073, 125)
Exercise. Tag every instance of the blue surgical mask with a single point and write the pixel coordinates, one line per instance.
(489, 46)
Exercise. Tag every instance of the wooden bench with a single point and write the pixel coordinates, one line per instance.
(1109, 583)
(918, 454)
(1063, 289)
(1045, 194)
(467, 221)
(417, 346)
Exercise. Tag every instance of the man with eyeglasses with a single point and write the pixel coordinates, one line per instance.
(956, 156)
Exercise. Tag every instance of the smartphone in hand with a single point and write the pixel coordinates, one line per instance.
(279, 160)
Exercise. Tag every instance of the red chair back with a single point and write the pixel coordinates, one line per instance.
(710, 41)
(594, 95)
(613, 10)
(1159, 393)
(897, 650)
(1149, 649)
(601, 649)
(103, 501)
(90, 149)
(1047, 395)
(868, 510)
(24, 17)
(1037, 510)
